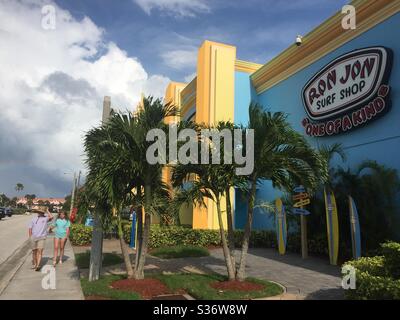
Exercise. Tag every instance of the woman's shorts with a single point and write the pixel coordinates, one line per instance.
(37, 243)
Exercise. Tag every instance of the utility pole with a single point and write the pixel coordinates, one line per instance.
(96, 252)
(72, 195)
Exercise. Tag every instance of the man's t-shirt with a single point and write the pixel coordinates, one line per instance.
(39, 227)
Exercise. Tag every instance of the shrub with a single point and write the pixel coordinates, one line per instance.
(377, 277)
(372, 265)
(371, 287)
(391, 252)
(80, 235)
(168, 236)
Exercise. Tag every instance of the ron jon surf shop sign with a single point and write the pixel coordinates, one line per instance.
(348, 92)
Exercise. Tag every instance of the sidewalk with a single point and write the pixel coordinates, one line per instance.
(27, 284)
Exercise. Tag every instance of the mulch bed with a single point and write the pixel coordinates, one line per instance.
(237, 286)
(147, 288)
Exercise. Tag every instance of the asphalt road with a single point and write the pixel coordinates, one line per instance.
(13, 233)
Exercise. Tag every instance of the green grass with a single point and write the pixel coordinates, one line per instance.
(180, 252)
(199, 287)
(102, 288)
(109, 259)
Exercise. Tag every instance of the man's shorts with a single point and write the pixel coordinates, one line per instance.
(38, 243)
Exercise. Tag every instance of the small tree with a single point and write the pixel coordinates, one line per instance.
(214, 182)
(282, 156)
(125, 175)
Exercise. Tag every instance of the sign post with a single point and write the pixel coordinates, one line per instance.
(304, 247)
(302, 199)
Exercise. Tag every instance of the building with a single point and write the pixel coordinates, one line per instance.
(57, 203)
(339, 86)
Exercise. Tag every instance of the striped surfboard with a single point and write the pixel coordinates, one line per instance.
(281, 227)
(332, 226)
(355, 229)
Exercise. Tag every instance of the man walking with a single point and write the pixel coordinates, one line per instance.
(38, 234)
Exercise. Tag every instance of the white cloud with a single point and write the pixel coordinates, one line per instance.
(52, 83)
(177, 8)
(180, 59)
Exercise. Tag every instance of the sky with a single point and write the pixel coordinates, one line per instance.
(52, 81)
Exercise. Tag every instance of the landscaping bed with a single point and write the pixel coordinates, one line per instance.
(102, 290)
(146, 288)
(202, 287)
(237, 286)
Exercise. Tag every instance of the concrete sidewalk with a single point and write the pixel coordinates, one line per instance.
(27, 283)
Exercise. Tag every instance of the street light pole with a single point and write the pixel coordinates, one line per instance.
(72, 195)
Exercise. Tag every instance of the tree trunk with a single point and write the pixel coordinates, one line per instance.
(241, 273)
(228, 261)
(96, 251)
(139, 217)
(139, 272)
(231, 236)
(124, 249)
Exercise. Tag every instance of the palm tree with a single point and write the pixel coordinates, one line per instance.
(214, 182)
(126, 177)
(281, 155)
(328, 153)
(19, 187)
(30, 198)
(209, 182)
(105, 184)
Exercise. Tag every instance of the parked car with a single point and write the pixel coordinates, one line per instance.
(9, 212)
(2, 212)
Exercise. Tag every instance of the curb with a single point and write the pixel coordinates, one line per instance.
(14, 261)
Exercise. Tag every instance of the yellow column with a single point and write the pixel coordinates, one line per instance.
(214, 102)
(173, 96)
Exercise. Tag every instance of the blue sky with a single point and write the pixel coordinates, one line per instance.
(55, 79)
(259, 28)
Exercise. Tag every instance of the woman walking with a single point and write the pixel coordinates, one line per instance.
(61, 225)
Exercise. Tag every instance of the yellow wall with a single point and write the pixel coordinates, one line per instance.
(212, 92)
(214, 102)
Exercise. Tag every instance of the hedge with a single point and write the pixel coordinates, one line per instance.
(80, 235)
(391, 252)
(377, 277)
(179, 235)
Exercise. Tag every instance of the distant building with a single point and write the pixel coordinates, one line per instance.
(57, 203)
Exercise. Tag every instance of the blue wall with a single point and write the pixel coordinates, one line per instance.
(379, 140)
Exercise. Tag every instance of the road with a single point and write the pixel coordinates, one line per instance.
(13, 233)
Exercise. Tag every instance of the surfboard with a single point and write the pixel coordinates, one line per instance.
(281, 227)
(355, 229)
(332, 226)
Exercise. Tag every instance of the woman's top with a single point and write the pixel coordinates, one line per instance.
(61, 227)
